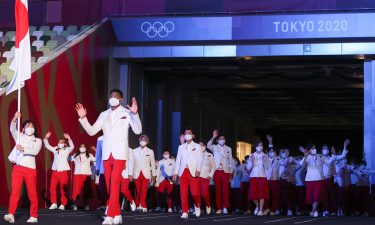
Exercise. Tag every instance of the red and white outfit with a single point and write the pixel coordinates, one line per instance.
(164, 176)
(208, 170)
(144, 169)
(314, 177)
(363, 189)
(258, 163)
(223, 171)
(188, 162)
(24, 169)
(274, 184)
(60, 171)
(82, 172)
(128, 170)
(115, 126)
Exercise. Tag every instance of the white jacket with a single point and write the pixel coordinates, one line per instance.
(82, 164)
(165, 169)
(328, 166)
(60, 157)
(208, 165)
(223, 156)
(31, 145)
(115, 131)
(273, 171)
(128, 170)
(188, 156)
(144, 161)
(258, 163)
(314, 165)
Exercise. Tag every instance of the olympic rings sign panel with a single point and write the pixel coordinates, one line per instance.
(157, 29)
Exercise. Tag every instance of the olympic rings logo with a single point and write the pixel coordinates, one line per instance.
(157, 29)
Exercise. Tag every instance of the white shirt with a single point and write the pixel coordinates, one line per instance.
(188, 156)
(60, 156)
(258, 163)
(115, 126)
(31, 146)
(328, 166)
(223, 156)
(314, 165)
(82, 164)
(363, 177)
(144, 161)
(208, 165)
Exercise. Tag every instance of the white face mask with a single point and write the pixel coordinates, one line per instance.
(362, 167)
(29, 131)
(166, 156)
(259, 148)
(203, 148)
(325, 151)
(271, 154)
(60, 145)
(188, 137)
(221, 142)
(82, 150)
(113, 102)
(283, 155)
(142, 143)
(313, 151)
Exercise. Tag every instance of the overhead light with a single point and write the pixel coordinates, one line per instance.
(246, 86)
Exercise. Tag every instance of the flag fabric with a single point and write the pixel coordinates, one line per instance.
(21, 64)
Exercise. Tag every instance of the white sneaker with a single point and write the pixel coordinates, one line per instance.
(133, 206)
(225, 211)
(74, 207)
(184, 216)
(32, 220)
(316, 214)
(62, 207)
(117, 219)
(290, 213)
(9, 218)
(108, 221)
(53, 206)
(256, 211)
(144, 210)
(170, 210)
(325, 213)
(87, 208)
(197, 211)
(219, 212)
(311, 213)
(260, 213)
(266, 212)
(208, 210)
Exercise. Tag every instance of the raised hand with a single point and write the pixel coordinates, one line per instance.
(93, 148)
(48, 134)
(81, 111)
(19, 147)
(346, 143)
(303, 150)
(269, 138)
(16, 116)
(67, 136)
(215, 133)
(134, 107)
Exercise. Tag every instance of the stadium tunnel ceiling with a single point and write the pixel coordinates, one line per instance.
(287, 92)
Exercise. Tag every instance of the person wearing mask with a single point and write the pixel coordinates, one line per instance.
(314, 177)
(207, 172)
(299, 177)
(363, 187)
(60, 168)
(114, 123)
(287, 195)
(245, 174)
(223, 171)
(235, 185)
(188, 167)
(23, 155)
(164, 178)
(258, 164)
(144, 171)
(82, 173)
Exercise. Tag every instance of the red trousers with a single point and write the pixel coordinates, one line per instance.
(287, 192)
(329, 195)
(187, 181)
(141, 184)
(165, 186)
(112, 173)
(221, 180)
(78, 183)
(20, 174)
(274, 186)
(125, 189)
(259, 188)
(313, 191)
(59, 178)
(205, 190)
(363, 197)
